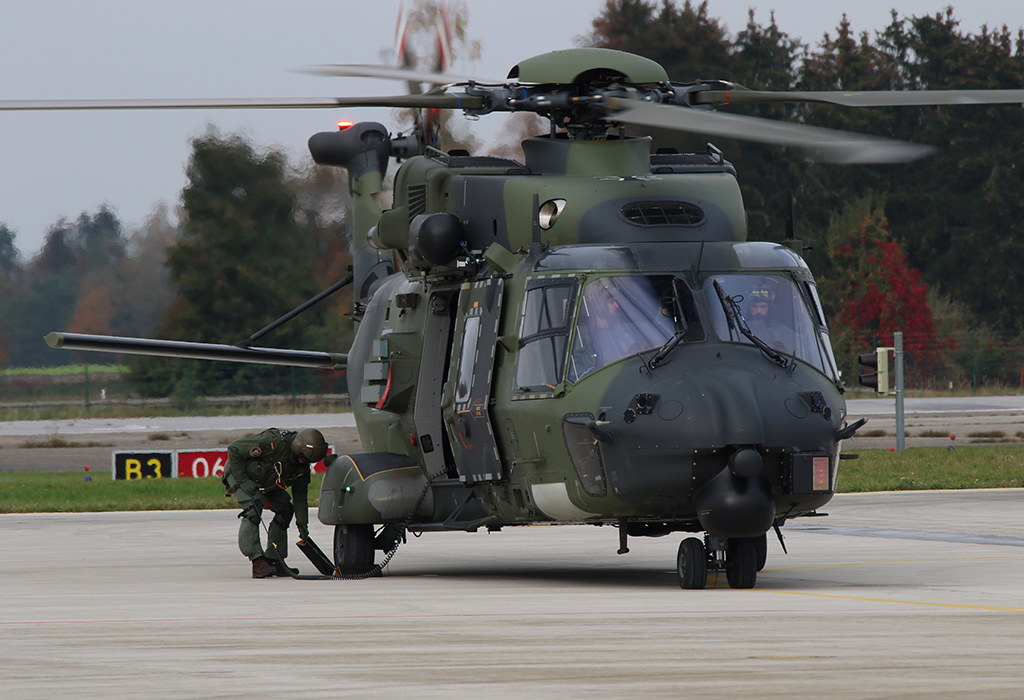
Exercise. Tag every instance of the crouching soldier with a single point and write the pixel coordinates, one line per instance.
(260, 470)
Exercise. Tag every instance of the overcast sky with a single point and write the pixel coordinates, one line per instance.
(60, 164)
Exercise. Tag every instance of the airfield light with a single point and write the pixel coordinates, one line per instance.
(877, 360)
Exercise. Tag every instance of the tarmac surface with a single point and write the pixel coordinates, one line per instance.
(894, 595)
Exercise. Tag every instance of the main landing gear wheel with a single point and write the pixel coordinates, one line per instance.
(692, 564)
(761, 548)
(353, 548)
(741, 562)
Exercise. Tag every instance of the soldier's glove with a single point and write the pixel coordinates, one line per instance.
(230, 491)
(251, 489)
(303, 530)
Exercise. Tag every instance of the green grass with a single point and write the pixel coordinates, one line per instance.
(69, 492)
(265, 407)
(994, 466)
(975, 467)
(55, 441)
(64, 370)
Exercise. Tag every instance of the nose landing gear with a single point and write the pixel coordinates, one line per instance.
(692, 564)
(739, 557)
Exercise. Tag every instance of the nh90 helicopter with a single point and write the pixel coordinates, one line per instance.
(586, 337)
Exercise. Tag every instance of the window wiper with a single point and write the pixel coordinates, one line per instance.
(737, 322)
(678, 336)
(660, 356)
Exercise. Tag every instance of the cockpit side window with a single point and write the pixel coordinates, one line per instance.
(812, 295)
(620, 316)
(544, 335)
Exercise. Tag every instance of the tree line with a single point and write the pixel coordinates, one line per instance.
(932, 248)
(255, 238)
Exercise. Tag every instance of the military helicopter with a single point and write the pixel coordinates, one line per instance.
(586, 337)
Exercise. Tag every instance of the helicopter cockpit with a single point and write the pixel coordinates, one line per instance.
(613, 316)
(574, 324)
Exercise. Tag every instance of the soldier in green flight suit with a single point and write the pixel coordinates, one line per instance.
(259, 471)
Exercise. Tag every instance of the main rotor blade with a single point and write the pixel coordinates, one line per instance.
(196, 351)
(865, 98)
(824, 145)
(428, 101)
(409, 75)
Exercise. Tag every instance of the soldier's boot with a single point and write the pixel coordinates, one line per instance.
(282, 569)
(263, 568)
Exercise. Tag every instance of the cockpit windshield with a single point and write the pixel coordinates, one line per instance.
(620, 316)
(775, 312)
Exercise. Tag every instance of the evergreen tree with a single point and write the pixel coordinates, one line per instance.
(324, 206)
(46, 296)
(10, 272)
(961, 213)
(686, 41)
(10, 257)
(240, 262)
(766, 58)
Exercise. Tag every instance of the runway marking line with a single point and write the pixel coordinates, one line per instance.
(989, 608)
(894, 561)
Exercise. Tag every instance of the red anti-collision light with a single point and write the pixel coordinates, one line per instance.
(342, 125)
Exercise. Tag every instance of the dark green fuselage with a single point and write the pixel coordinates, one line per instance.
(476, 369)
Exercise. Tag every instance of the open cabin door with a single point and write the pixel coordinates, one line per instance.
(469, 417)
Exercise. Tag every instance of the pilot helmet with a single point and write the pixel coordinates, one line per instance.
(764, 289)
(309, 445)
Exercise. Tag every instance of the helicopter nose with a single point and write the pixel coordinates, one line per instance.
(716, 436)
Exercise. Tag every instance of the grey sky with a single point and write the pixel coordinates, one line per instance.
(61, 164)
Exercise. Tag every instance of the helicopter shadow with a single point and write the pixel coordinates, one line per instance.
(580, 576)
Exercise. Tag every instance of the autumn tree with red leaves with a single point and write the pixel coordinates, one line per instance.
(871, 291)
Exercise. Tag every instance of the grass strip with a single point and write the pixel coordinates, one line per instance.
(920, 468)
(69, 492)
(928, 468)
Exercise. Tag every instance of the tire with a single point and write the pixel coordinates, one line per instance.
(692, 564)
(761, 548)
(741, 562)
(353, 547)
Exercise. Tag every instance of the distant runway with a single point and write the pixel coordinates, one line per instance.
(896, 595)
(956, 404)
(108, 426)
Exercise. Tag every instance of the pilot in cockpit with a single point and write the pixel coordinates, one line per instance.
(619, 316)
(763, 318)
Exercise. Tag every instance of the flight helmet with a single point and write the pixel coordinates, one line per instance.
(309, 445)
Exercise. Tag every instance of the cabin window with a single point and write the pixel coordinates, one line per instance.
(544, 335)
(467, 361)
